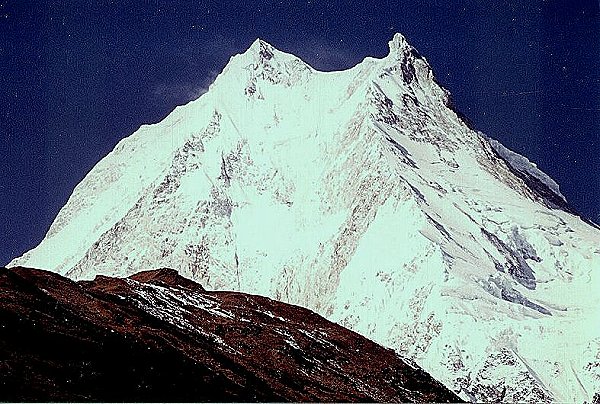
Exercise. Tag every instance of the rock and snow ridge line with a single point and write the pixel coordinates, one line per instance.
(362, 195)
(157, 336)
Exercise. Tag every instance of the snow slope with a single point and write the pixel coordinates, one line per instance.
(362, 195)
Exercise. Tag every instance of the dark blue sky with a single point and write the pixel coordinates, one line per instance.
(77, 76)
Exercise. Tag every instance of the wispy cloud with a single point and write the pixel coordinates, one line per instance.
(208, 54)
(183, 92)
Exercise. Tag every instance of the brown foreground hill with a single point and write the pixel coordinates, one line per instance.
(157, 336)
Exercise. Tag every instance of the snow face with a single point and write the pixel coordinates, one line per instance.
(359, 194)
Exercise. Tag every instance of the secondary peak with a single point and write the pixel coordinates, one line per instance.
(398, 44)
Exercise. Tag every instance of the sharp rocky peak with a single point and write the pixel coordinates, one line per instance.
(399, 44)
(262, 53)
(411, 63)
(263, 62)
(262, 49)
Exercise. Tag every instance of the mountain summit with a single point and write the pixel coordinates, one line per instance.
(360, 194)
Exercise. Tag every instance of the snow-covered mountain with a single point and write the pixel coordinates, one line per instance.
(362, 195)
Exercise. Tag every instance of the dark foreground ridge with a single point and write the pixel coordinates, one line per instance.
(157, 336)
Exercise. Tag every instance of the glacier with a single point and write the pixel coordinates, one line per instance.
(362, 195)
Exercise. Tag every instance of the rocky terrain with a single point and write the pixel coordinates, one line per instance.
(156, 336)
